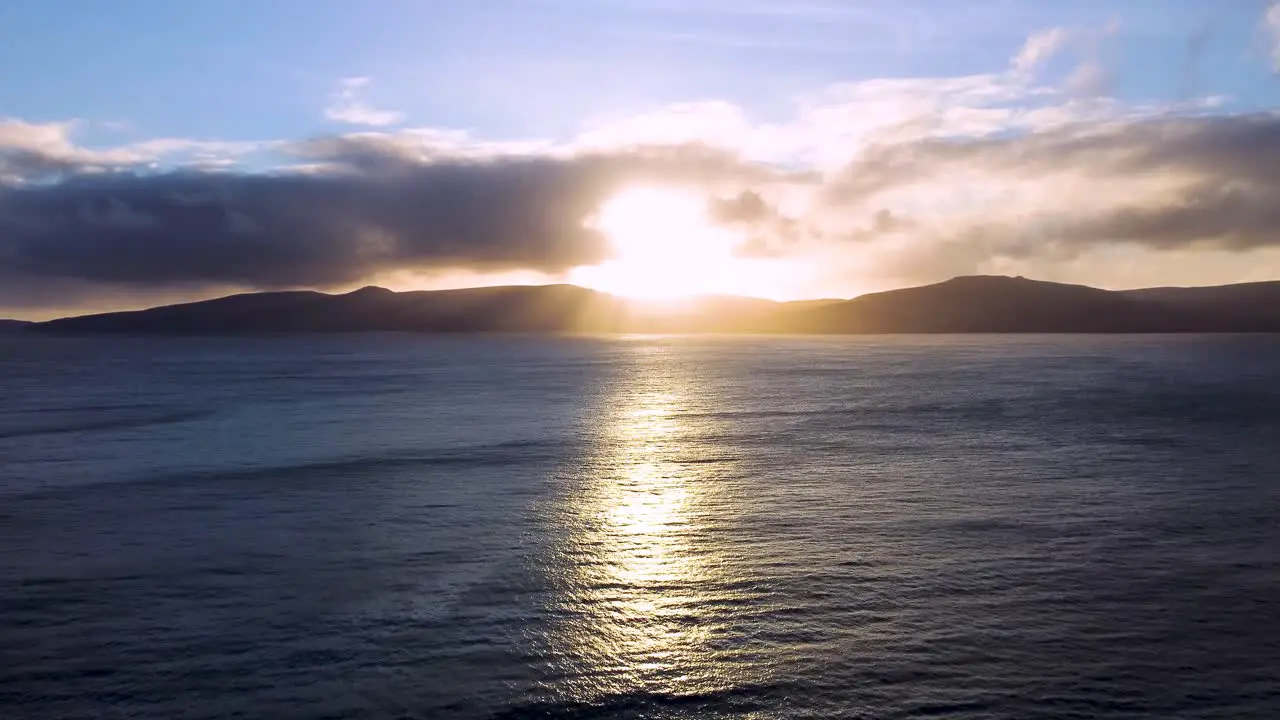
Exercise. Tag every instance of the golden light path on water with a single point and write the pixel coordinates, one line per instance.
(654, 595)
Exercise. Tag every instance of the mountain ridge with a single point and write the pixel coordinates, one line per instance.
(13, 325)
(965, 304)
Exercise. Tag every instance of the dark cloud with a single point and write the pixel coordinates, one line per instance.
(263, 231)
(378, 205)
(1226, 169)
(768, 232)
(367, 204)
(1230, 216)
(745, 207)
(21, 163)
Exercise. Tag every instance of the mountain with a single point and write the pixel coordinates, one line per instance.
(8, 326)
(1253, 305)
(974, 304)
(990, 304)
(545, 308)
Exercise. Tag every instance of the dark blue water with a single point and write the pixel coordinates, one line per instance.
(410, 527)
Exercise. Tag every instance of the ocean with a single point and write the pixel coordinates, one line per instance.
(397, 526)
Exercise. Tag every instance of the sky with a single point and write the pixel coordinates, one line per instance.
(154, 151)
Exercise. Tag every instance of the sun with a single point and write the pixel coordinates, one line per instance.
(665, 246)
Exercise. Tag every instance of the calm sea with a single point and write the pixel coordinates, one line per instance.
(507, 527)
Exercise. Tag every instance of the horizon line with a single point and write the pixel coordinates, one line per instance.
(651, 301)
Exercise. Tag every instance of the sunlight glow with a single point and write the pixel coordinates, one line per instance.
(646, 562)
(666, 247)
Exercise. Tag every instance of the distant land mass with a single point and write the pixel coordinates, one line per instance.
(13, 325)
(972, 304)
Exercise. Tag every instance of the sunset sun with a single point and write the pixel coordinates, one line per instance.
(664, 246)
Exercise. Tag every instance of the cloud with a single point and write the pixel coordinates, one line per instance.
(829, 128)
(1163, 186)
(31, 152)
(1091, 78)
(345, 106)
(43, 150)
(1039, 47)
(745, 207)
(1271, 25)
(917, 205)
(1030, 169)
(1094, 77)
(910, 208)
(766, 230)
(375, 208)
(49, 138)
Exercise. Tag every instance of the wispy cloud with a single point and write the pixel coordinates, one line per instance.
(1271, 24)
(1092, 77)
(35, 152)
(1039, 47)
(346, 106)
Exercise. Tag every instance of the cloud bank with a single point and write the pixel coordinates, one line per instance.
(894, 180)
(358, 207)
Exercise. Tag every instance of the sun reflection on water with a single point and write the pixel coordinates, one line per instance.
(647, 601)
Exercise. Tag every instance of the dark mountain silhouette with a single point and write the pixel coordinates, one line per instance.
(12, 325)
(1245, 305)
(987, 304)
(978, 304)
(547, 308)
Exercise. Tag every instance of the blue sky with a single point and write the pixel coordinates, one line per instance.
(238, 70)
(156, 150)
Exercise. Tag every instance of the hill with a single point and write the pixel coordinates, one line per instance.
(974, 304)
(7, 326)
(546, 308)
(991, 304)
(1246, 305)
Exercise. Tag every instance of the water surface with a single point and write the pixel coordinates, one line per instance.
(507, 527)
